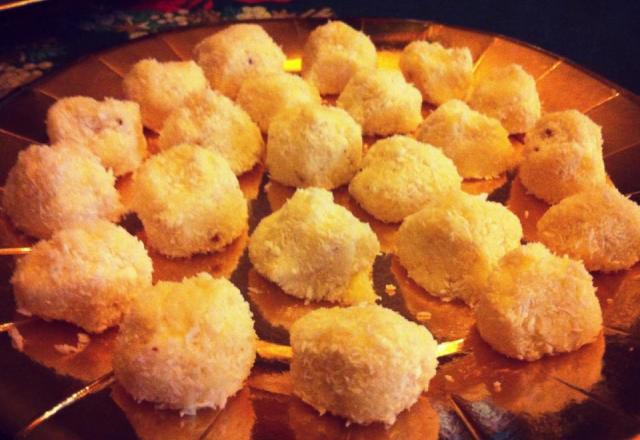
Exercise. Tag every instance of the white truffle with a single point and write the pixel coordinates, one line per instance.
(189, 201)
(366, 364)
(161, 87)
(213, 121)
(315, 145)
(316, 250)
(86, 275)
(400, 175)
(538, 304)
(186, 345)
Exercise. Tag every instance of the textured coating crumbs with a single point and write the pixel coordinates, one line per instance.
(508, 94)
(562, 156)
(538, 304)
(186, 345)
(213, 121)
(264, 96)
(333, 53)
(451, 246)
(400, 175)
(86, 275)
(111, 129)
(601, 227)
(477, 144)
(316, 145)
(364, 363)
(382, 102)
(189, 201)
(58, 187)
(161, 87)
(235, 53)
(440, 74)
(316, 250)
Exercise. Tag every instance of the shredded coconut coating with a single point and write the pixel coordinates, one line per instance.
(213, 121)
(382, 102)
(538, 304)
(264, 96)
(235, 53)
(186, 345)
(333, 53)
(400, 175)
(58, 187)
(159, 87)
(111, 129)
(316, 250)
(365, 363)
(315, 145)
(440, 74)
(601, 227)
(508, 94)
(451, 246)
(477, 144)
(189, 201)
(562, 156)
(86, 275)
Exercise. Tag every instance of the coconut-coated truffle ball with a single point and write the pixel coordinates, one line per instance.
(601, 227)
(235, 53)
(213, 121)
(451, 246)
(316, 250)
(440, 74)
(382, 102)
(161, 87)
(57, 187)
(87, 275)
(364, 363)
(537, 304)
(189, 201)
(400, 175)
(264, 96)
(111, 129)
(508, 94)
(562, 156)
(333, 53)
(477, 144)
(186, 345)
(314, 146)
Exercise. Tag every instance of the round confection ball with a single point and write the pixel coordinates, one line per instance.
(161, 87)
(235, 53)
(315, 145)
(382, 102)
(451, 246)
(333, 53)
(111, 129)
(440, 74)
(400, 175)
(264, 96)
(562, 156)
(57, 187)
(508, 94)
(189, 201)
(477, 144)
(364, 363)
(186, 345)
(87, 275)
(600, 226)
(538, 304)
(213, 121)
(316, 250)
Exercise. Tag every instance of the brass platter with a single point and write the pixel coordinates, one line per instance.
(592, 393)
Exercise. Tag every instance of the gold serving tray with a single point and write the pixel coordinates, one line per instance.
(478, 393)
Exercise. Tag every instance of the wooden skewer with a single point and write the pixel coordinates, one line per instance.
(15, 251)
